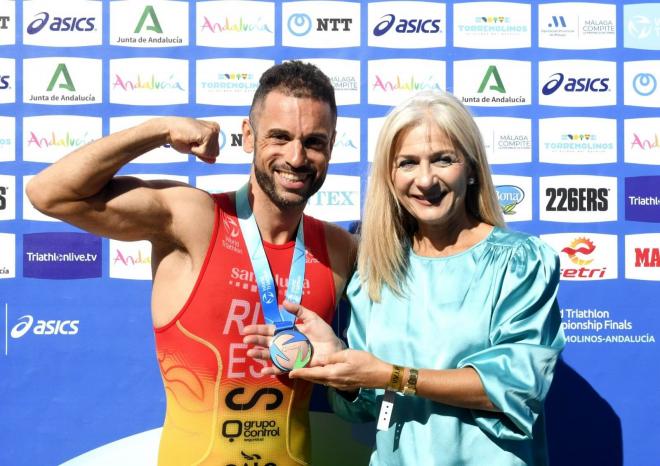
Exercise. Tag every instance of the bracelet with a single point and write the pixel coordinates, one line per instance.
(396, 379)
(411, 385)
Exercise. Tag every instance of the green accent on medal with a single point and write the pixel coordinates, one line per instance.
(299, 363)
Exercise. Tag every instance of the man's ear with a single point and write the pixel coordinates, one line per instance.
(248, 136)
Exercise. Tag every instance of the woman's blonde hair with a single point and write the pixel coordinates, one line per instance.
(387, 228)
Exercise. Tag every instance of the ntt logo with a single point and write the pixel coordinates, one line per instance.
(299, 24)
(558, 81)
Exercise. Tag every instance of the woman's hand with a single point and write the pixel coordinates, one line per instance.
(320, 334)
(347, 370)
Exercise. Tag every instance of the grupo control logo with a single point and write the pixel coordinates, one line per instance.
(46, 139)
(62, 24)
(492, 25)
(7, 80)
(577, 26)
(62, 81)
(577, 140)
(507, 140)
(320, 24)
(252, 430)
(8, 256)
(7, 142)
(642, 140)
(514, 193)
(641, 83)
(7, 23)
(338, 200)
(643, 198)
(641, 26)
(493, 83)
(148, 81)
(139, 24)
(408, 25)
(577, 83)
(643, 256)
(228, 81)
(61, 255)
(578, 198)
(236, 24)
(391, 81)
(7, 197)
(585, 256)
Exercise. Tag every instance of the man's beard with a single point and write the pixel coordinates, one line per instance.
(267, 185)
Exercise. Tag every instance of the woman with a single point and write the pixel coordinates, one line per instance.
(448, 306)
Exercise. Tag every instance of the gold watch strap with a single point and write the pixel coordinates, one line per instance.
(411, 385)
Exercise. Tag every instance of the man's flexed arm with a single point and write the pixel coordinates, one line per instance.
(80, 188)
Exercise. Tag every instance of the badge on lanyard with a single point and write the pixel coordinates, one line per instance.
(289, 348)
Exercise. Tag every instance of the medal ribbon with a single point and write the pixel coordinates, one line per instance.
(264, 277)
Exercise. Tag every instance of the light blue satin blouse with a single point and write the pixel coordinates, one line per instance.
(492, 307)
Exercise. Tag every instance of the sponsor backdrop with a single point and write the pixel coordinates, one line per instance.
(566, 95)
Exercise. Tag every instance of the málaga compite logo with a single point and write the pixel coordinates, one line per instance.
(585, 256)
(320, 24)
(148, 81)
(46, 139)
(492, 25)
(577, 140)
(507, 140)
(577, 26)
(345, 78)
(73, 23)
(493, 83)
(235, 24)
(62, 81)
(145, 25)
(7, 141)
(642, 140)
(392, 81)
(407, 25)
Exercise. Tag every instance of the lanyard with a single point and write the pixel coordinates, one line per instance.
(267, 292)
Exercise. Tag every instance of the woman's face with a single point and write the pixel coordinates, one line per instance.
(430, 178)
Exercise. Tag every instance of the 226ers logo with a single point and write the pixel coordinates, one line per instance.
(252, 460)
(272, 396)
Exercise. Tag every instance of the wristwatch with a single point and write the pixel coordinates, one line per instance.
(410, 388)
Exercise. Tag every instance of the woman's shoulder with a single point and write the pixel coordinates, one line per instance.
(524, 249)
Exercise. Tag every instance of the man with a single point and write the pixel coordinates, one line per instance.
(220, 408)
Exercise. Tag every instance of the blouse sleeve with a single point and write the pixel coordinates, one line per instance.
(364, 408)
(525, 337)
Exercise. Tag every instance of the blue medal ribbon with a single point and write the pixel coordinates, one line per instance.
(272, 312)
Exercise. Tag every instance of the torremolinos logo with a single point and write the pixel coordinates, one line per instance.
(136, 24)
(643, 198)
(320, 24)
(63, 24)
(228, 81)
(577, 140)
(235, 24)
(577, 83)
(641, 26)
(642, 140)
(585, 256)
(62, 81)
(406, 24)
(61, 256)
(7, 139)
(496, 25)
(643, 256)
(578, 198)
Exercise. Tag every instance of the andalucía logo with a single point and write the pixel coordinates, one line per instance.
(61, 256)
(643, 199)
